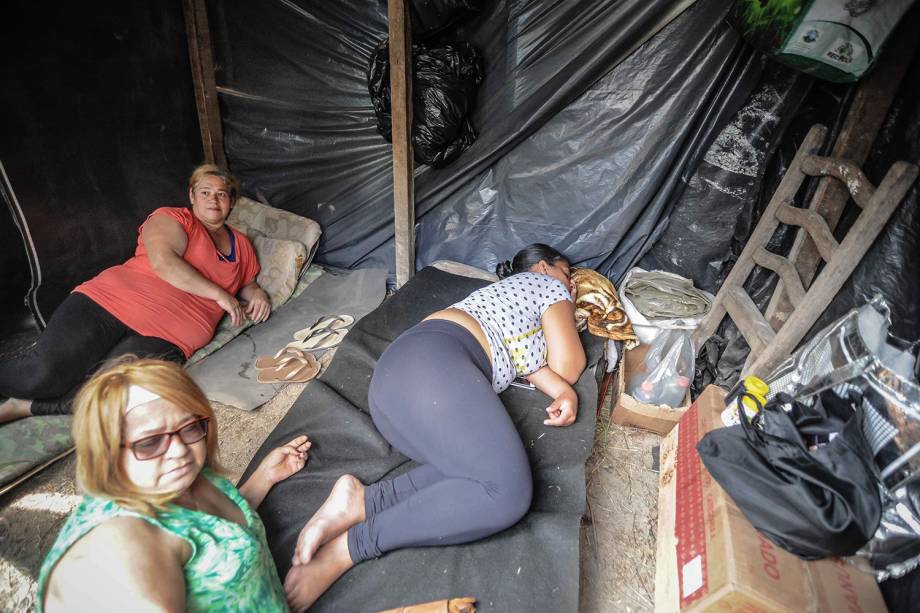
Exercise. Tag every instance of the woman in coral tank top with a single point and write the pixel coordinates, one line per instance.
(189, 269)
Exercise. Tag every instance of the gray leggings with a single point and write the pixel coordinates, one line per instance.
(431, 397)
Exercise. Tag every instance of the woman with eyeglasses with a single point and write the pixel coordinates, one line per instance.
(189, 269)
(159, 528)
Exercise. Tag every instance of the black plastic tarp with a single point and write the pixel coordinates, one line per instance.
(589, 169)
(98, 129)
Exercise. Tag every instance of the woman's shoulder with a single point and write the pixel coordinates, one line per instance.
(181, 214)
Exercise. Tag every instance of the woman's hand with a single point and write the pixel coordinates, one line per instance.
(232, 306)
(564, 409)
(278, 465)
(258, 305)
(284, 461)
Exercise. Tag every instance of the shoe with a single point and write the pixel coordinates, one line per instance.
(282, 357)
(324, 340)
(336, 322)
(295, 370)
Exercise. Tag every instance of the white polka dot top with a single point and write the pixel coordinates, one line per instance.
(509, 312)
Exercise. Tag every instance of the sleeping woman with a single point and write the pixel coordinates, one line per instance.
(434, 397)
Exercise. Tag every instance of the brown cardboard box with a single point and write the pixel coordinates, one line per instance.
(627, 411)
(710, 558)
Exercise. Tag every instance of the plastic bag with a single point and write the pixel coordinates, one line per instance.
(814, 499)
(647, 329)
(668, 370)
(895, 548)
(445, 79)
(830, 39)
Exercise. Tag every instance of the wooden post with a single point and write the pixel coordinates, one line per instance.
(202, 62)
(401, 109)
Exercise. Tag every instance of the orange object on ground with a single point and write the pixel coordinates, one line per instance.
(141, 300)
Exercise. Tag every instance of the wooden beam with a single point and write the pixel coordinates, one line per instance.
(864, 119)
(401, 109)
(202, 62)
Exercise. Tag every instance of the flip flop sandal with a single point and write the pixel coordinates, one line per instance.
(297, 370)
(336, 322)
(325, 340)
(279, 359)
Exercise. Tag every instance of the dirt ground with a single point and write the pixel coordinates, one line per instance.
(617, 536)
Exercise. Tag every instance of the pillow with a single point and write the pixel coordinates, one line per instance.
(256, 219)
(281, 262)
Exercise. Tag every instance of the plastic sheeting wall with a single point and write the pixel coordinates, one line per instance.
(99, 128)
(589, 169)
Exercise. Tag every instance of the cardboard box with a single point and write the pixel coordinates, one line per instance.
(627, 411)
(709, 556)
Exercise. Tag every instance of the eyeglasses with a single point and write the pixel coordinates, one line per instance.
(154, 446)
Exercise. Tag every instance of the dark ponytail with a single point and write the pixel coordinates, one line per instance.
(527, 258)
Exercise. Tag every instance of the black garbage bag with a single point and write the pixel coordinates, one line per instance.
(430, 17)
(813, 503)
(445, 80)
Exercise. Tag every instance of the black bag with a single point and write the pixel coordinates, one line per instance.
(445, 79)
(815, 504)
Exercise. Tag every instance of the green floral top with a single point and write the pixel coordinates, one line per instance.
(230, 568)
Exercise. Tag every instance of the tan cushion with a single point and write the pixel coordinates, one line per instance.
(281, 262)
(256, 219)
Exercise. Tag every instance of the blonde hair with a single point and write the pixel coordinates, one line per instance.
(230, 182)
(99, 426)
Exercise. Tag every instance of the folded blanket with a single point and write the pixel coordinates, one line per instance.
(598, 308)
(663, 295)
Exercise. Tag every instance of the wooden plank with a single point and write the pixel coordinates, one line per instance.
(814, 224)
(667, 584)
(784, 268)
(202, 63)
(862, 234)
(864, 119)
(784, 195)
(757, 332)
(859, 187)
(401, 108)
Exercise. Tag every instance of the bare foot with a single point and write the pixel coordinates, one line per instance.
(14, 408)
(343, 509)
(307, 582)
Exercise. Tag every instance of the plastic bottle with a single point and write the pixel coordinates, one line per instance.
(644, 389)
(674, 390)
(754, 391)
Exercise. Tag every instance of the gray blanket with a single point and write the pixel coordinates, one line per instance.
(533, 566)
(229, 375)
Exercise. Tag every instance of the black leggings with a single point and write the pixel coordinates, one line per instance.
(431, 397)
(80, 337)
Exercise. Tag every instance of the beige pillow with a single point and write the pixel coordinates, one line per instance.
(281, 262)
(256, 219)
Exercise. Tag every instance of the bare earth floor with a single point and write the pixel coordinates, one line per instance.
(617, 536)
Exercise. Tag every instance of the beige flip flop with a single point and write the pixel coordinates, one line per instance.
(324, 324)
(324, 340)
(279, 359)
(295, 370)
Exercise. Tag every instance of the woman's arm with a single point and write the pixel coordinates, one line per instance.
(124, 564)
(564, 409)
(564, 353)
(165, 241)
(278, 465)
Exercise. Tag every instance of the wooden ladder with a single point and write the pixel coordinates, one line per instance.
(771, 346)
